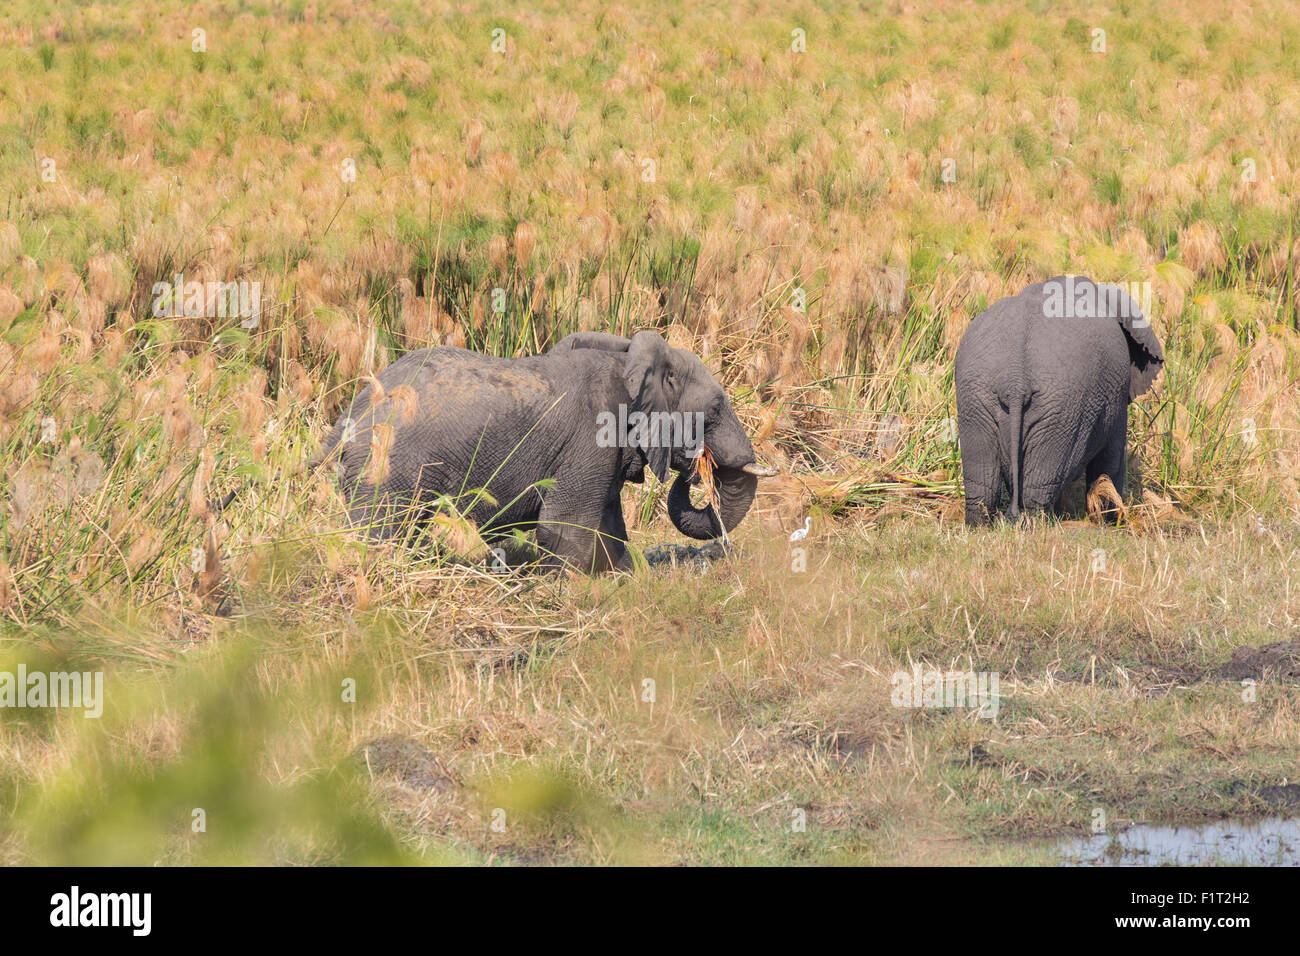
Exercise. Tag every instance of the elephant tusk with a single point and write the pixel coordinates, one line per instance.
(760, 471)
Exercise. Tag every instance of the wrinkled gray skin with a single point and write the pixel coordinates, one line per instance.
(1043, 398)
(506, 424)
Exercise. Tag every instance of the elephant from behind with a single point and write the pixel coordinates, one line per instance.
(1044, 380)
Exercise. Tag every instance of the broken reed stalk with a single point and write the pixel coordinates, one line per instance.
(704, 466)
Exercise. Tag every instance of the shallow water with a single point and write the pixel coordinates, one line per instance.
(1270, 842)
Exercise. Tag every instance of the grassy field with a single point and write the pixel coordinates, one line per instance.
(816, 199)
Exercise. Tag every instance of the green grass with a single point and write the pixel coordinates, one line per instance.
(771, 696)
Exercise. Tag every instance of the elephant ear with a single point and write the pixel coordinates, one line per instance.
(1145, 355)
(649, 360)
(592, 340)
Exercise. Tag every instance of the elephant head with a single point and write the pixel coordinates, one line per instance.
(1089, 298)
(672, 387)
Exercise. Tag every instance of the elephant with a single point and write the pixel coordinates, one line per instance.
(543, 443)
(1044, 380)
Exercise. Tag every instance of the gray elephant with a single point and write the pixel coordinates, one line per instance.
(543, 443)
(1044, 380)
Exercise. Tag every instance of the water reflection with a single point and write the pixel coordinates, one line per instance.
(1270, 842)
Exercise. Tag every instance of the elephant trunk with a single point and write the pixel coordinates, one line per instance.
(736, 488)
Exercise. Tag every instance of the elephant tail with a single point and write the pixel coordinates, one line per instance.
(1017, 409)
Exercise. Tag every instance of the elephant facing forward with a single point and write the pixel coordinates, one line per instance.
(1044, 380)
(543, 444)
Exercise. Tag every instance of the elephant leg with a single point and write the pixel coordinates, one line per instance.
(505, 550)
(1041, 499)
(981, 468)
(1041, 481)
(580, 537)
(611, 542)
(1112, 460)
